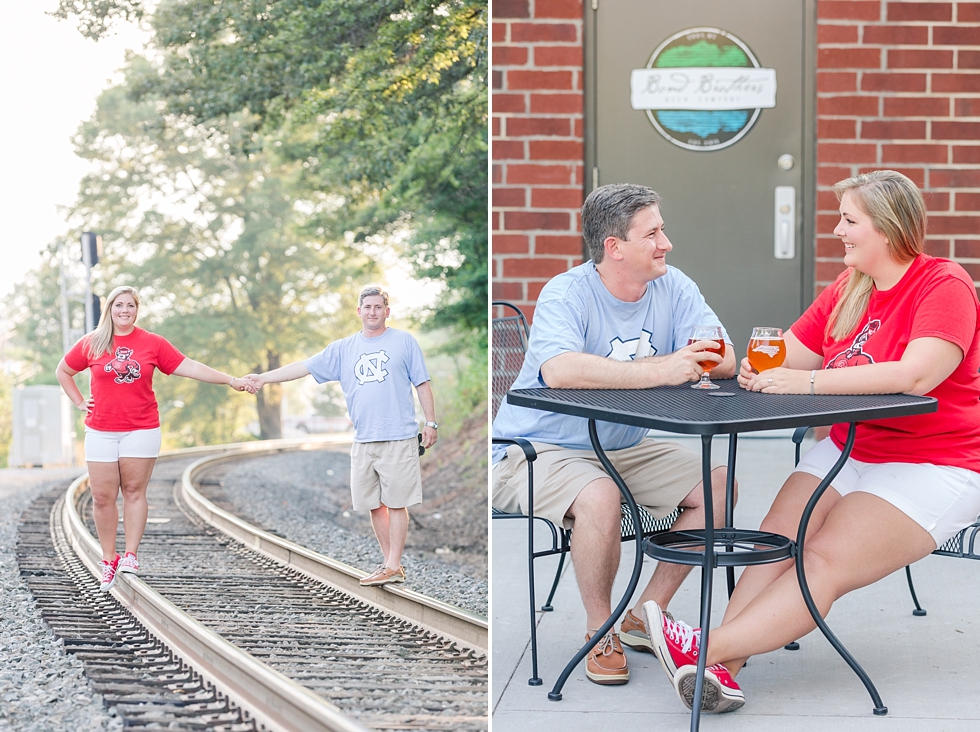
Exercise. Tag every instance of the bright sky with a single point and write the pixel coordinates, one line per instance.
(52, 77)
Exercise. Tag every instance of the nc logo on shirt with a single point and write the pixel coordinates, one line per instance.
(630, 350)
(370, 367)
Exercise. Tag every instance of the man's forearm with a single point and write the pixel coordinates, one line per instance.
(587, 371)
(289, 372)
(427, 400)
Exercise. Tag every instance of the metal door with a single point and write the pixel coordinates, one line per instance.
(737, 184)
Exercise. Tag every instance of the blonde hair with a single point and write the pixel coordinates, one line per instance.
(99, 341)
(898, 212)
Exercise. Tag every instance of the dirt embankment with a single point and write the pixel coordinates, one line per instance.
(451, 524)
(454, 487)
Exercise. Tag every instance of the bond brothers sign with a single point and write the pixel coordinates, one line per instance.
(703, 89)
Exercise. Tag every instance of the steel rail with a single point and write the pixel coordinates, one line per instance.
(273, 699)
(465, 628)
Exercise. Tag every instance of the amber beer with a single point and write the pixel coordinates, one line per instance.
(706, 366)
(767, 349)
(707, 333)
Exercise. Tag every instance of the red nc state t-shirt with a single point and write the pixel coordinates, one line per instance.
(934, 299)
(122, 380)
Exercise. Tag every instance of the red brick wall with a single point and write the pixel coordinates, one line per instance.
(537, 145)
(898, 86)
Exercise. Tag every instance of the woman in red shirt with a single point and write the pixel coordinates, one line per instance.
(122, 426)
(896, 321)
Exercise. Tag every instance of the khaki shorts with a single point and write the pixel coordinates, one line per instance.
(659, 475)
(385, 473)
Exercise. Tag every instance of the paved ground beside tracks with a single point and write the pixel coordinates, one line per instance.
(925, 669)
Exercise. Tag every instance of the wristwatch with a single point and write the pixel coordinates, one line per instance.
(433, 425)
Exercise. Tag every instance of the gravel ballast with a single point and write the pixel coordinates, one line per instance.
(41, 688)
(305, 497)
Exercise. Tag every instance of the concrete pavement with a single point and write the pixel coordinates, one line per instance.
(925, 669)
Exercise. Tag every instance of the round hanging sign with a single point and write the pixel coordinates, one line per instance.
(703, 89)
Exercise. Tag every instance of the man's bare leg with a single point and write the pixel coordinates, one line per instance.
(397, 535)
(667, 577)
(382, 529)
(595, 547)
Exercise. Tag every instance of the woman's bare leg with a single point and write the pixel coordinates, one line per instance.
(134, 477)
(863, 539)
(104, 483)
(783, 518)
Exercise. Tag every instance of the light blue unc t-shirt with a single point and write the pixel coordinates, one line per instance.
(376, 376)
(576, 313)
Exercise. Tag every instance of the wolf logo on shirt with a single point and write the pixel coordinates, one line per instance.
(126, 371)
(855, 355)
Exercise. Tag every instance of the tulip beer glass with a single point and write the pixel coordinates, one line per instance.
(708, 333)
(766, 350)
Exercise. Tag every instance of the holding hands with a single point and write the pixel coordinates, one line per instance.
(244, 383)
(256, 380)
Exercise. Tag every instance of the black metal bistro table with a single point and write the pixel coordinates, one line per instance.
(728, 410)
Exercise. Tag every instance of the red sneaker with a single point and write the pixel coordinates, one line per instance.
(675, 642)
(720, 694)
(109, 574)
(129, 564)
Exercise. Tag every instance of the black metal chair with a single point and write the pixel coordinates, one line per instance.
(510, 336)
(964, 545)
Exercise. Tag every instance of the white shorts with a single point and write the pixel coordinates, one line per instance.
(939, 498)
(108, 447)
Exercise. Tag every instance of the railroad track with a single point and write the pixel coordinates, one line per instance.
(250, 631)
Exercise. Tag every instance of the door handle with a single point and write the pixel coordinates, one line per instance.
(784, 232)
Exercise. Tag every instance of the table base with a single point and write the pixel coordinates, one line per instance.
(731, 547)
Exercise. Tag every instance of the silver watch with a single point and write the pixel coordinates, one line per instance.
(433, 425)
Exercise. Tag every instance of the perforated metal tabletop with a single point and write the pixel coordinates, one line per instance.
(727, 410)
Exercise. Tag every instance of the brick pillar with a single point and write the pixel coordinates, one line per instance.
(538, 149)
(898, 86)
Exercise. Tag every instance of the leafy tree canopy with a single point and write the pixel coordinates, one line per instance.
(233, 255)
(385, 101)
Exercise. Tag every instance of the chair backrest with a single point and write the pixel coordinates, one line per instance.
(510, 335)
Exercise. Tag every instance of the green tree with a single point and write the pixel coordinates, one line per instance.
(384, 101)
(229, 249)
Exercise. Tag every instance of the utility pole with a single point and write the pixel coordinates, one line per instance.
(90, 256)
(73, 291)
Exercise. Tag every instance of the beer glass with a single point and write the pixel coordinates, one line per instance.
(708, 333)
(767, 349)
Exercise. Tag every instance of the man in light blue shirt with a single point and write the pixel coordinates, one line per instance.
(621, 320)
(377, 368)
